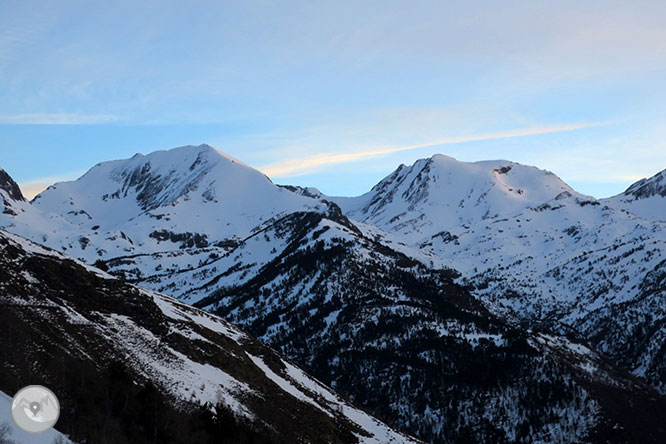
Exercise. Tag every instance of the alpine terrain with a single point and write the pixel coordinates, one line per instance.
(455, 302)
(132, 365)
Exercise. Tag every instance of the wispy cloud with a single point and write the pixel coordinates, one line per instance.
(308, 164)
(56, 119)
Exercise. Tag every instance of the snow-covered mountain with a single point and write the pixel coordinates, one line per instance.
(404, 342)
(412, 347)
(372, 294)
(19, 216)
(645, 198)
(131, 365)
(10, 193)
(442, 193)
(546, 254)
(167, 200)
(576, 266)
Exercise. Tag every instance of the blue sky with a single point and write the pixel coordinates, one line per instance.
(336, 94)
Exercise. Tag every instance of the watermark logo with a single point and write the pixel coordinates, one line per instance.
(35, 409)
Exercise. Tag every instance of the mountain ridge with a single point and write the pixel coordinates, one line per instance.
(537, 257)
(454, 193)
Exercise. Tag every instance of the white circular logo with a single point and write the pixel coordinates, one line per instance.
(35, 409)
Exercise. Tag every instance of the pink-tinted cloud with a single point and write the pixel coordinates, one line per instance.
(304, 165)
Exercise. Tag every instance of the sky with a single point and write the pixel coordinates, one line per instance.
(336, 94)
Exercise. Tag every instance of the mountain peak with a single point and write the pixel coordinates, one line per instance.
(442, 158)
(186, 151)
(9, 186)
(200, 150)
(644, 198)
(10, 195)
(648, 187)
(183, 191)
(453, 193)
(162, 177)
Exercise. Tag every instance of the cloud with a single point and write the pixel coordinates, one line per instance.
(22, 25)
(56, 119)
(308, 164)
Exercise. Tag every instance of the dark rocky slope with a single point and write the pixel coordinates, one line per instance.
(415, 349)
(134, 366)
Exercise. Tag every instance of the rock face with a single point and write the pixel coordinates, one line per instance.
(10, 187)
(131, 365)
(646, 188)
(10, 193)
(485, 302)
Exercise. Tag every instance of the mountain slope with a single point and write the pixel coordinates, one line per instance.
(537, 252)
(407, 343)
(573, 266)
(645, 198)
(130, 365)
